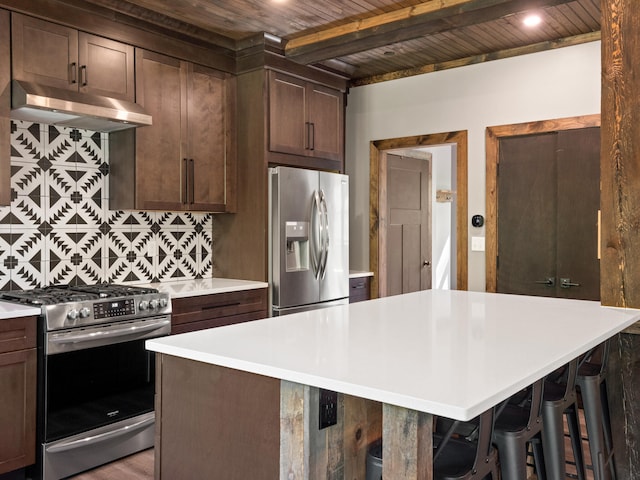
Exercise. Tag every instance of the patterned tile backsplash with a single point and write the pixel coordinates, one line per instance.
(59, 229)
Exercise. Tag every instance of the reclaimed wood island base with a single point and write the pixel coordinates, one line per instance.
(242, 401)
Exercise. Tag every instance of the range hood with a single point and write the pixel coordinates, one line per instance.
(55, 106)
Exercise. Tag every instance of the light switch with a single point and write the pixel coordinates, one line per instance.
(477, 244)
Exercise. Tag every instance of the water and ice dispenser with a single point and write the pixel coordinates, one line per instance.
(297, 242)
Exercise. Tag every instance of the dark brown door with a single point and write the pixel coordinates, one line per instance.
(106, 67)
(408, 248)
(206, 138)
(161, 161)
(326, 122)
(288, 131)
(44, 53)
(548, 201)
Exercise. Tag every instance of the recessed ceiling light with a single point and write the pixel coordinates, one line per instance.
(532, 20)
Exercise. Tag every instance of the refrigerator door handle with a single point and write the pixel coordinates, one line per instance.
(316, 231)
(325, 234)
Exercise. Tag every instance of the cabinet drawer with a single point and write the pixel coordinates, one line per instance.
(217, 322)
(359, 289)
(218, 309)
(17, 334)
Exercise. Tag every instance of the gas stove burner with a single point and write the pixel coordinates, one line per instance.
(108, 290)
(58, 294)
(50, 295)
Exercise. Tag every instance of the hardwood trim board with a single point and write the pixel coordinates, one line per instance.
(377, 180)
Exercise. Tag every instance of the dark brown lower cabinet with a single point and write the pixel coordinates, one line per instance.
(17, 393)
(359, 289)
(208, 311)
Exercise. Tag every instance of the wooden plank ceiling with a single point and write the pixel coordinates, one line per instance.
(376, 40)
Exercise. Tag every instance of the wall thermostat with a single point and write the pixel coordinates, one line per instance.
(477, 220)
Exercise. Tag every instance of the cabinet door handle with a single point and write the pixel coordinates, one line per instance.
(185, 183)
(83, 75)
(73, 72)
(312, 143)
(567, 283)
(192, 180)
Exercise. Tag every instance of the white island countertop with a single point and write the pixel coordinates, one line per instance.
(450, 353)
(205, 286)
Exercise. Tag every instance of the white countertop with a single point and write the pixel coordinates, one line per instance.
(15, 310)
(205, 286)
(450, 353)
(359, 274)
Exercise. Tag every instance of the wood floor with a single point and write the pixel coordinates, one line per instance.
(138, 466)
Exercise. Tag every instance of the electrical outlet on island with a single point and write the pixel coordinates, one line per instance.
(328, 408)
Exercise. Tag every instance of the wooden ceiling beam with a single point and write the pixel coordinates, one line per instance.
(434, 16)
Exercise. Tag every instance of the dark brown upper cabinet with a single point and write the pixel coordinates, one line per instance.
(305, 118)
(5, 109)
(57, 56)
(186, 159)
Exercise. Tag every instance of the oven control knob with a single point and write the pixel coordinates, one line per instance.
(144, 304)
(84, 312)
(153, 304)
(163, 302)
(72, 314)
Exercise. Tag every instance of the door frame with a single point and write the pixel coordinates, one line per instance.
(377, 201)
(492, 142)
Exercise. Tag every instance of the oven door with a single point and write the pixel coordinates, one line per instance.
(98, 376)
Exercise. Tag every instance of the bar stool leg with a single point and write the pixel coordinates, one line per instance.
(513, 462)
(576, 440)
(608, 438)
(592, 402)
(553, 442)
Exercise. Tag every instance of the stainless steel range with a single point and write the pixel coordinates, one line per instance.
(96, 381)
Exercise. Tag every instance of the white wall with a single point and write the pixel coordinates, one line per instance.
(443, 239)
(554, 84)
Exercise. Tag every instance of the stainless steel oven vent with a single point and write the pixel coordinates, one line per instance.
(54, 106)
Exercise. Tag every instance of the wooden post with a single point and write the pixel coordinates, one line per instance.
(362, 425)
(620, 204)
(306, 452)
(406, 444)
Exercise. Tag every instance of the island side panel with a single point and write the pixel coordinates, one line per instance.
(215, 422)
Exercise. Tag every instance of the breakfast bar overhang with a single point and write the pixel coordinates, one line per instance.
(242, 400)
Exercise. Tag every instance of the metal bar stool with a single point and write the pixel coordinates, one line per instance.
(463, 450)
(560, 399)
(591, 383)
(519, 422)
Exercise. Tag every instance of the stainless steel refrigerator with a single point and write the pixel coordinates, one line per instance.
(309, 239)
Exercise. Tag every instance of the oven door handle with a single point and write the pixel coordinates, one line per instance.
(101, 437)
(116, 331)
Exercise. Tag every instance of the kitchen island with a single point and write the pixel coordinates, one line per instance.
(242, 401)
